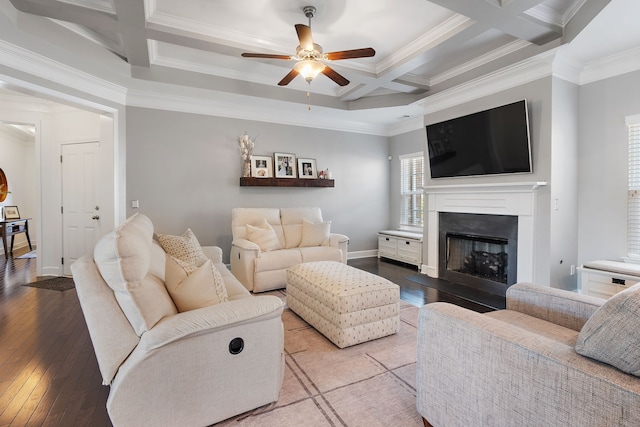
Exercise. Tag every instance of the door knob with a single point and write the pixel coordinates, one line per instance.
(96, 217)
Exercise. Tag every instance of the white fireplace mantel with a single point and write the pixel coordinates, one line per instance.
(514, 198)
(497, 187)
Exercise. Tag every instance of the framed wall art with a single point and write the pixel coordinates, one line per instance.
(307, 169)
(10, 212)
(261, 167)
(285, 165)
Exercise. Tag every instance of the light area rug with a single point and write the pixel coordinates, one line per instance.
(369, 384)
(28, 255)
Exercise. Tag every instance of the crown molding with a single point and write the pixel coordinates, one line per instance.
(451, 26)
(247, 110)
(506, 78)
(611, 66)
(40, 66)
(480, 61)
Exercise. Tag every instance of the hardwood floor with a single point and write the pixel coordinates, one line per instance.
(48, 371)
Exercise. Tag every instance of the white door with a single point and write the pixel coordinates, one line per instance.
(80, 201)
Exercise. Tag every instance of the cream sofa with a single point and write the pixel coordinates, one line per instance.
(168, 368)
(262, 270)
(552, 358)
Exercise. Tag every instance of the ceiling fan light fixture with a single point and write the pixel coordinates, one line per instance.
(309, 68)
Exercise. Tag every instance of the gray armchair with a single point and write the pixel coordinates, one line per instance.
(519, 366)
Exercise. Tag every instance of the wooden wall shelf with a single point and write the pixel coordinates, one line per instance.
(285, 182)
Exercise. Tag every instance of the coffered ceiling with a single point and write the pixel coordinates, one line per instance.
(422, 47)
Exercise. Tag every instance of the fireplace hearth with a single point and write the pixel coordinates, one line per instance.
(476, 250)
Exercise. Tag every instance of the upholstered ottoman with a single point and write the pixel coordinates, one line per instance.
(347, 305)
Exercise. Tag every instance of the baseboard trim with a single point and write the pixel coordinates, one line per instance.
(362, 254)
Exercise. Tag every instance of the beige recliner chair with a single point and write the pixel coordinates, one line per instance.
(300, 235)
(166, 368)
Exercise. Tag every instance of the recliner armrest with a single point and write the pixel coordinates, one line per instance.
(565, 308)
(214, 253)
(245, 244)
(210, 319)
(335, 239)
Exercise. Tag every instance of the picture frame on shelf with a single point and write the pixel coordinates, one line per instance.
(284, 165)
(261, 167)
(307, 169)
(10, 212)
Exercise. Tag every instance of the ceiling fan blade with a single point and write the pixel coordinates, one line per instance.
(351, 54)
(304, 35)
(335, 76)
(265, 55)
(287, 79)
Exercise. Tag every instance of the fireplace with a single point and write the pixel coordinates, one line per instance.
(479, 250)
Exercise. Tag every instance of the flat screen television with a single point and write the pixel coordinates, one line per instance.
(494, 141)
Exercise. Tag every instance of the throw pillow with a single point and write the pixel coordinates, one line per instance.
(123, 258)
(202, 288)
(315, 234)
(264, 236)
(611, 333)
(186, 249)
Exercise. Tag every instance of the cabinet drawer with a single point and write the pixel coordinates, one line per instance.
(610, 279)
(602, 290)
(388, 245)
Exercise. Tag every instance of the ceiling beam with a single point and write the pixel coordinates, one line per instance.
(510, 18)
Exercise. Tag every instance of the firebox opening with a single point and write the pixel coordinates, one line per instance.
(479, 256)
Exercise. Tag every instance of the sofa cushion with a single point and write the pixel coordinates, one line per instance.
(264, 236)
(185, 249)
(240, 217)
(202, 288)
(123, 258)
(278, 260)
(315, 234)
(611, 333)
(292, 223)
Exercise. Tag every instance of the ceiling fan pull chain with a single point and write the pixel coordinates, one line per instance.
(309, 100)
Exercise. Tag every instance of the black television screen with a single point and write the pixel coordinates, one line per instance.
(494, 141)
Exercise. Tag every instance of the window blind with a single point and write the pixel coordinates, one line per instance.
(411, 192)
(633, 198)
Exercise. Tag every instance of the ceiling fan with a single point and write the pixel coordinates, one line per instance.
(309, 56)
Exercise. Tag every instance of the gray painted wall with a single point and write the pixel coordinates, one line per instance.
(563, 248)
(185, 168)
(406, 143)
(539, 101)
(602, 165)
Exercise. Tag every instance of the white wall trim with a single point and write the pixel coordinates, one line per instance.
(509, 77)
(43, 67)
(362, 254)
(517, 199)
(213, 107)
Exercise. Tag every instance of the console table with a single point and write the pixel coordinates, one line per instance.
(11, 227)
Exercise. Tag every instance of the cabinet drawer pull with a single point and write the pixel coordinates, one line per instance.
(386, 238)
(408, 243)
(617, 281)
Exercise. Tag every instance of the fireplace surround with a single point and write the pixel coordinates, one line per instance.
(478, 250)
(511, 199)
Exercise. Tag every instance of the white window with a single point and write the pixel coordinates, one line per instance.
(633, 198)
(411, 193)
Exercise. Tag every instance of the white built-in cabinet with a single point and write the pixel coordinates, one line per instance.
(400, 245)
(604, 279)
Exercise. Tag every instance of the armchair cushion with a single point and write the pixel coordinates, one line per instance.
(202, 288)
(315, 234)
(264, 236)
(611, 334)
(186, 249)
